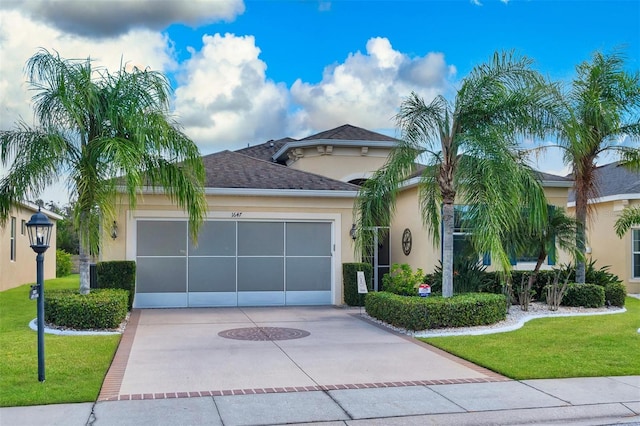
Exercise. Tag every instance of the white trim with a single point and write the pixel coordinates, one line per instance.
(34, 207)
(255, 192)
(608, 198)
(414, 181)
(333, 142)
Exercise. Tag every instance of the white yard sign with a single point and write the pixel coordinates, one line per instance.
(362, 283)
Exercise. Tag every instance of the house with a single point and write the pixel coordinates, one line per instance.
(17, 259)
(618, 187)
(278, 227)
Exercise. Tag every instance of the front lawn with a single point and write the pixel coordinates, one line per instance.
(587, 346)
(75, 366)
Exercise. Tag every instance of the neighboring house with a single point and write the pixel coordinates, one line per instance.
(17, 259)
(278, 227)
(618, 187)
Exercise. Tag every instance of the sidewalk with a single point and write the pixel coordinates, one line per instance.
(584, 401)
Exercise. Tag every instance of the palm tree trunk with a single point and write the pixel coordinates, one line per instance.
(84, 271)
(581, 218)
(83, 230)
(447, 249)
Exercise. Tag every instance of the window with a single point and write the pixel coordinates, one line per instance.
(23, 226)
(635, 252)
(12, 250)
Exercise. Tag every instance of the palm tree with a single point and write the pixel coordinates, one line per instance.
(470, 148)
(558, 232)
(630, 216)
(601, 106)
(104, 133)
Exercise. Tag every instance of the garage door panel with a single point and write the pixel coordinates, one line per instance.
(161, 238)
(212, 274)
(260, 274)
(161, 275)
(308, 239)
(216, 238)
(308, 274)
(260, 238)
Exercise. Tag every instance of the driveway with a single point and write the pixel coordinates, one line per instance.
(168, 353)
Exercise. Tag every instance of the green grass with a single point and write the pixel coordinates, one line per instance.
(588, 346)
(75, 366)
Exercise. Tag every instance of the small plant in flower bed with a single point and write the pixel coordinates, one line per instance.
(402, 280)
(100, 309)
(422, 313)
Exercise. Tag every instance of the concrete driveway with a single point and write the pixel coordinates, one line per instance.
(172, 353)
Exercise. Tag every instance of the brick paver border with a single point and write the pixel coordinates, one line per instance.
(113, 380)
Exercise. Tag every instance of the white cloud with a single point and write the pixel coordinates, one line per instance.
(367, 89)
(109, 18)
(21, 37)
(224, 98)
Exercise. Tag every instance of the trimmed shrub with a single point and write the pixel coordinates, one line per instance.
(421, 313)
(350, 282)
(402, 280)
(63, 263)
(100, 309)
(117, 274)
(615, 293)
(585, 295)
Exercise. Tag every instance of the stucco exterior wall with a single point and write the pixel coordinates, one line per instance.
(337, 210)
(23, 269)
(407, 216)
(606, 248)
(343, 163)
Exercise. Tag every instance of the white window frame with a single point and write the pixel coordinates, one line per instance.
(12, 248)
(634, 232)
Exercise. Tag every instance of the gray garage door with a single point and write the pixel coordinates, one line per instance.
(235, 263)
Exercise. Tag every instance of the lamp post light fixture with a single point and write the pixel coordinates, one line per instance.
(39, 230)
(114, 230)
(353, 233)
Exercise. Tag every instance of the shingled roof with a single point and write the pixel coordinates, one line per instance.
(350, 133)
(265, 150)
(614, 179)
(229, 169)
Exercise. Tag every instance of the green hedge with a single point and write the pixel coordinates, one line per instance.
(585, 295)
(350, 282)
(421, 313)
(615, 293)
(117, 274)
(63, 263)
(100, 309)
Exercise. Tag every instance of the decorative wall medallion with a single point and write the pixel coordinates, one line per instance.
(406, 241)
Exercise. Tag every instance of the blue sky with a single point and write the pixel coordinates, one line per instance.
(299, 38)
(248, 71)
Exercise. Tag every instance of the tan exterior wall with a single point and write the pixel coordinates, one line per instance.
(606, 248)
(424, 254)
(343, 163)
(23, 269)
(338, 210)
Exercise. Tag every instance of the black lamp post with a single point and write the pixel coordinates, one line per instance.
(39, 228)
